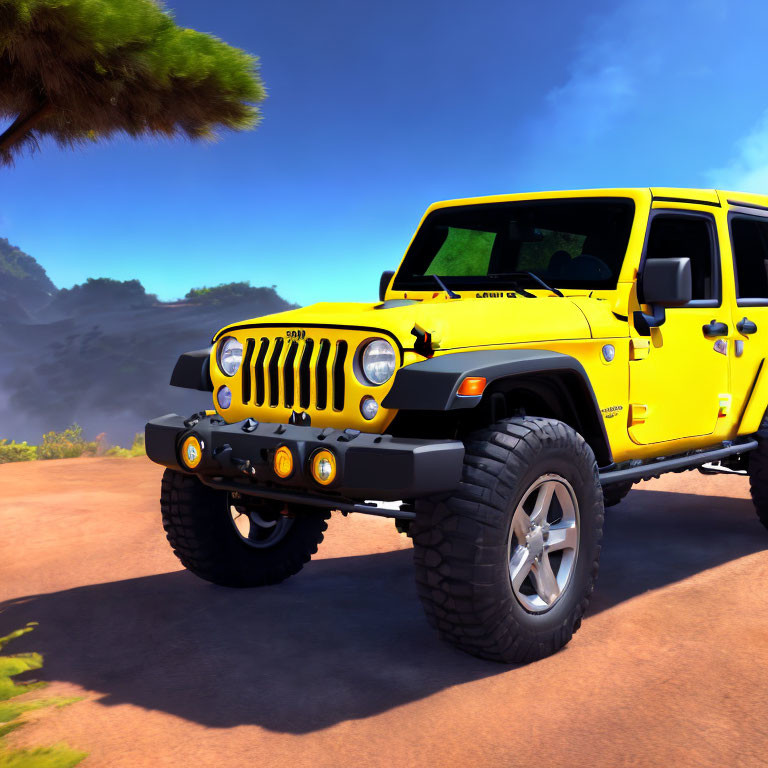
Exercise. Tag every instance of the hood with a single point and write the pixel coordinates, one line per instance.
(486, 320)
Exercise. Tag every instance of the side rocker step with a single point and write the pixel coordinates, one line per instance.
(687, 461)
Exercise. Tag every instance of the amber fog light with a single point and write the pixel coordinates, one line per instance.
(323, 466)
(191, 452)
(283, 462)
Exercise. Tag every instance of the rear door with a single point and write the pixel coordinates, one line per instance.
(749, 245)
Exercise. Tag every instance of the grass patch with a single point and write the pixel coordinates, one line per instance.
(137, 449)
(12, 710)
(12, 451)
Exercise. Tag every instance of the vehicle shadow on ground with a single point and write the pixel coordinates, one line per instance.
(344, 640)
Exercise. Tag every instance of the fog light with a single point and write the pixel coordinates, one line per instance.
(224, 398)
(368, 407)
(283, 462)
(191, 452)
(324, 467)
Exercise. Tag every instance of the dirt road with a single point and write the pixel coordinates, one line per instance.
(338, 667)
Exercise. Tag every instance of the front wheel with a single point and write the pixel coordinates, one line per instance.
(236, 541)
(505, 567)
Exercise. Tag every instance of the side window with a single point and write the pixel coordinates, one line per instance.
(462, 252)
(679, 236)
(749, 239)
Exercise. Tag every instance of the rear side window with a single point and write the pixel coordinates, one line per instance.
(749, 239)
(687, 236)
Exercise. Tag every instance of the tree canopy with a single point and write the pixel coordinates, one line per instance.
(79, 70)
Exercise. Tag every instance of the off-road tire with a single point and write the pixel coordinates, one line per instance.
(198, 527)
(758, 479)
(615, 493)
(461, 542)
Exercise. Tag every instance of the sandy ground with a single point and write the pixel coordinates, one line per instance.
(338, 667)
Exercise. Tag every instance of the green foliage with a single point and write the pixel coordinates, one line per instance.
(104, 293)
(12, 451)
(24, 284)
(15, 263)
(137, 449)
(88, 69)
(464, 252)
(232, 293)
(68, 444)
(11, 710)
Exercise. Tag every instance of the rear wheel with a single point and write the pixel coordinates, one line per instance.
(758, 480)
(234, 540)
(615, 493)
(506, 565)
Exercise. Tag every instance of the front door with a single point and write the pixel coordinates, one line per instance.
(679, 384)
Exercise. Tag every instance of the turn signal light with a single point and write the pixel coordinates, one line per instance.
(472, 386)
(283, 462)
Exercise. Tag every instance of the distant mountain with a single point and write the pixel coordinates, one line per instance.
(101, 353)
(24, 285)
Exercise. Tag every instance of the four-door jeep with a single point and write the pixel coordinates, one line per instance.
(532, 357)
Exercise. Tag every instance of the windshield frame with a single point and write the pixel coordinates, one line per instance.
(425, 282)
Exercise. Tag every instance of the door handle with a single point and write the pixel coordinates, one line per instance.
(714, 329)
(746, 326)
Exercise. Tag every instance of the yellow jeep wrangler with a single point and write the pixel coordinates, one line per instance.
(532, 357)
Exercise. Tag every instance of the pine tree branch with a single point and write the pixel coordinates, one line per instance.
(22, 125)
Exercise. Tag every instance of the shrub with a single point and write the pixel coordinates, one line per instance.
(12, 451)
(60, 756)
(137, 449)
(68, 444)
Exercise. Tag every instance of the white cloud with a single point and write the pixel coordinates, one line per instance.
(630, 59)
(591, 100)
(748, 169)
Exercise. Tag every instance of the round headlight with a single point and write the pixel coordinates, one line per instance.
(230, 356)
(378, 361)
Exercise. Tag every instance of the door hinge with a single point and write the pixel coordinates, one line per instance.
(637, 413)
(724, 405)
(639, 348)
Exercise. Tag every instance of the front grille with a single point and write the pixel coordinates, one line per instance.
(280, 372)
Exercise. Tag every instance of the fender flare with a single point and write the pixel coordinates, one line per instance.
(432, 385)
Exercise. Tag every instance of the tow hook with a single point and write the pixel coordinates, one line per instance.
(223, 454)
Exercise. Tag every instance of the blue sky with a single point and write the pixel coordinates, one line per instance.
(376, 110)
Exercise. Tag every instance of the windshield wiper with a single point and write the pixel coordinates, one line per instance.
(451, 294)
(533, 276)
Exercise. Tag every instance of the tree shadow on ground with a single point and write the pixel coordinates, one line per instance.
(346, 639)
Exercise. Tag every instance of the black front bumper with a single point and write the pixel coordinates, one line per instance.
(240, 455)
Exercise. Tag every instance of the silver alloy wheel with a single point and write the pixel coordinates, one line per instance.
(543, 543)
(256, 531)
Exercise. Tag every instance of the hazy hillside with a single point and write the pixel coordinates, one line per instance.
(101, 354)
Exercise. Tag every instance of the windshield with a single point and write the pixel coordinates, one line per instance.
(575, 243)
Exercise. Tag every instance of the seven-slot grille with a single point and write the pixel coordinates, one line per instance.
(280, 372)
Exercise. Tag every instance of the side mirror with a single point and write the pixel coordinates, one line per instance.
(662, 283)
(386, 279)
(666, 282)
